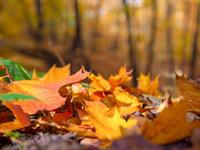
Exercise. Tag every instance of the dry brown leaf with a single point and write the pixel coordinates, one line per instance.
(170, 126)
(21, 121)
(190, 90)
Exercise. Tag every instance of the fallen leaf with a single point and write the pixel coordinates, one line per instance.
(108, 127)
(170, 126)
(56, 74)
(145, 84)
(10, 126)
(3, 87)
(123, 98)
(61, 117)
(5, 116)
(128, 110)
(45, 90)
(81, 130)
(22, 119)
(32, 106)
(190, 90)
(99, 83)
(122, 77)
(35, 75)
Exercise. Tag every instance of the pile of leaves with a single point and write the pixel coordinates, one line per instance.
(97, 110)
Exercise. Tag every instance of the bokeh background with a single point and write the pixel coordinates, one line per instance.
(159, 37)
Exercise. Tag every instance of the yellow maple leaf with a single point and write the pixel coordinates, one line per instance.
(54, 74)
(35, 75)
(108, 126)
(123, 76)
(81, 130)
(148, 86)
(190, 90)
(124, 98)
(170, 126)
(99, 83)
(128, 110)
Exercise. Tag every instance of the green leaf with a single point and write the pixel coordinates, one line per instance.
(14, 96)
(13, 134)
(16, 71)
(85, 85)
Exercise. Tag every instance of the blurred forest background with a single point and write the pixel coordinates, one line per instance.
(159, 37)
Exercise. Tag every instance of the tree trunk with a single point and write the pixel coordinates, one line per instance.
(95, 32)
(39, 37)
(39, 50)
(40, 21)
(27, 18)
(77, 42)
(115, 44)
(186, 19)
(152, 38)
(131, 43)
(76, 55)
(195, 43)
(169, 39)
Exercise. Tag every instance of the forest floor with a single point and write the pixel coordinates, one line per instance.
(57, 110)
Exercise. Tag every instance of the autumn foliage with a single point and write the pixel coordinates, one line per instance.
(99, 108)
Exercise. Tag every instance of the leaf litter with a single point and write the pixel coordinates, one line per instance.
(101, 113)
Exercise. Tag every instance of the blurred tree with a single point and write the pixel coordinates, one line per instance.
(39, 49)
(76, 50)
(95, 33)
(40, 21)
(131, 43)
(195, 42)
(185, 32)
(55, 32)
(152, 38)
(29, 25)
(169, 36)
(115, 44)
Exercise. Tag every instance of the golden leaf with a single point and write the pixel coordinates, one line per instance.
(170, 126)
(56, 74)
(99, 83)
(190, 90)
(148, 86)
(107, 126)
(122, 77)
(35, 75)
(124, 98)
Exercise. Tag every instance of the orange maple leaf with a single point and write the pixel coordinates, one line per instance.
(170, 126)
(21, 121)
(122, 77)
(45, 89)
(190, 90)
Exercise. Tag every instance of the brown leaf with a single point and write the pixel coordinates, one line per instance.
(22, 119)
(170, 126)
(190, 90)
